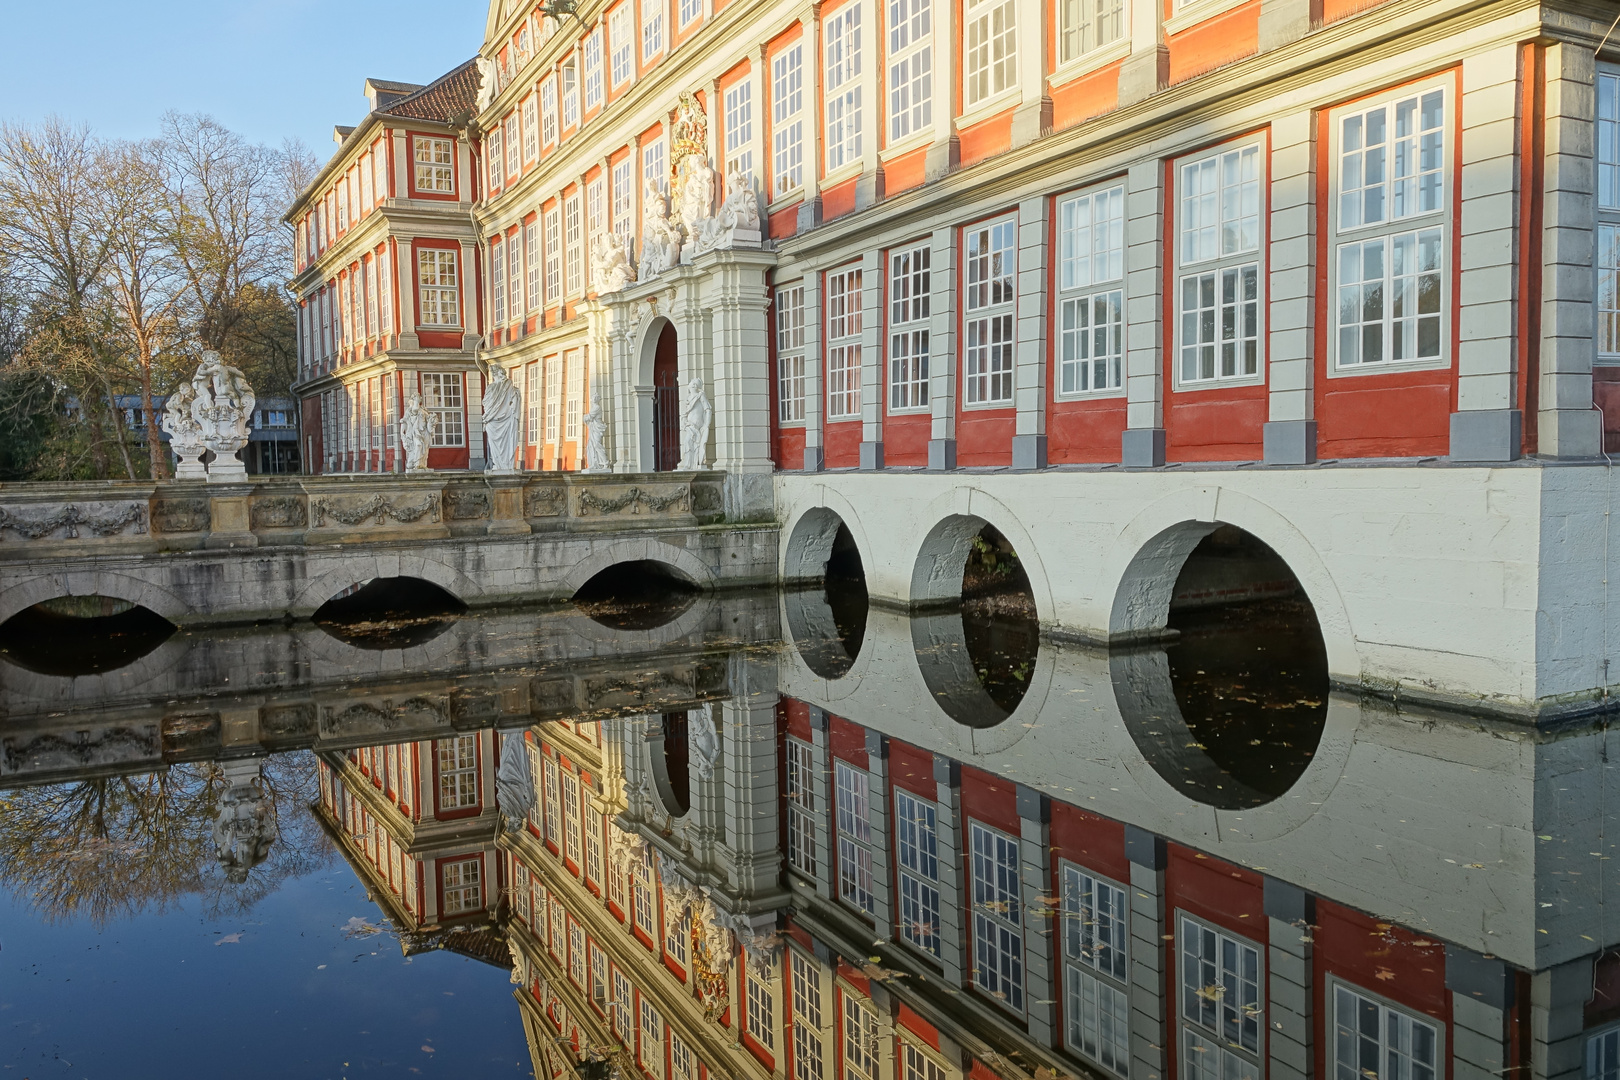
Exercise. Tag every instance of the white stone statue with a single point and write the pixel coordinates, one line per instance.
(514, 783)
(503, 416)
(611, 269)
(703, 743)
(413, 431)
(185, 434)
(486, 83)
(737, 219)
(696, 416)
(222, 406)
(660, 237)
(596, 459)
(695, 192)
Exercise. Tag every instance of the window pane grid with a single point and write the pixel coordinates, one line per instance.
(918, 860)
(844, 352)
(910, 285)
(853, 790)
(787, 123)
(1372, 1041)
(807, 1059)
(990, 50)
(998, 944)
(1220, 984)
(790, 353)
(842, 46)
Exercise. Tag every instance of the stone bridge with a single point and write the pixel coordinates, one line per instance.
(280, 547)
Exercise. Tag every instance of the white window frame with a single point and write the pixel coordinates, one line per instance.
(989, 52)
(1211, 1043)
(573, 245)
(652, 28)
(573, 841)
(809, 1049)
(554, 256)
(569, 76)
(624, 197)
(1606, 247)
(531, 130)
(787, 119)
(857, 861)
(650, 1040)
(688, 12)
(916, 857)
(1407, 1022)
(1091, 294)
(1212, 275)
(841, 48)
(860, 1052)
(621, 44)
(531, 264)
(514, 276)
(434, 161)
(532, 401)
(591, 62)
(655, 165)
(1094, 934)
(514, 145)
(1088, 27)
(463, 881)
(554, 378)
(739, 121)
(548, 111)
(910, 69)
(553, 797)
(990, 322)
(574, 411)
(1418, 226)
(759, 1013)
(918, 1063)
(458, 772)
(492, 147)
(790, 382)
(801, 801)
(676, 932)
(997, 903)
(910, 287)
(844, 343)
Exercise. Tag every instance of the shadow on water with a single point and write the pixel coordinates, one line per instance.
(829, 624)
(389, 613)
(1232, 712)
(641, 595)
(81, 635)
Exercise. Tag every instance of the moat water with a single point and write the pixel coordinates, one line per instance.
(213, 861)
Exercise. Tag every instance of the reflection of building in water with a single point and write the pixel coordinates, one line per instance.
(837, 903)
(417, 821)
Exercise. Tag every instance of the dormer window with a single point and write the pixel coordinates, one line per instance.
(434, 164)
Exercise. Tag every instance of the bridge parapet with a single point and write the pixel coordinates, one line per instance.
(51, 520)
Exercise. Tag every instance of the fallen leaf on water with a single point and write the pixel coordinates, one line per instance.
(230, 939)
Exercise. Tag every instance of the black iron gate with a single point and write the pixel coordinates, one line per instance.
(666, 427)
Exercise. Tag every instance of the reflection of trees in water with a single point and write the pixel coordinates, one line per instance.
(115, 847)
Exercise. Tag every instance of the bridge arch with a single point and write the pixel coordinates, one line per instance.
(357, 569)
(942, 552)
(1154, 546)
(682, 562)
(135, 590)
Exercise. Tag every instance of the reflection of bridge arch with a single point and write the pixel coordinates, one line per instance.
(88, 582)
(681, 561)
(357, 569)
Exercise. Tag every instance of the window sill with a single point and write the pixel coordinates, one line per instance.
(984, 110)
(1088, 395)
(907, 145)
(1198, 12)
(987, 406)
(1391, 367)
(1086, 63)
(843, 173)
(791, 197)
(1203, 386)
(914, 410)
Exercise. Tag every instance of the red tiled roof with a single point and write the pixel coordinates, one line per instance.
(442, 100)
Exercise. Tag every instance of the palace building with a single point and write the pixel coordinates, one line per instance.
(1013, 233)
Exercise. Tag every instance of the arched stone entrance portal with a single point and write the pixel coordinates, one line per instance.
(658, 397)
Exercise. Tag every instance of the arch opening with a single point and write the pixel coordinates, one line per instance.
(1232, 708)
(71, 636)
(827, 610)
(672, 768)
(641, 594)
(977, 655)
(666, 401)
(389, 613)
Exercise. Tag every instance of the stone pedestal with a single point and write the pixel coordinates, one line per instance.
(229, 517)
(506, 505)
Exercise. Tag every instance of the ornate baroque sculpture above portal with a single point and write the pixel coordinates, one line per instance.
(503, 413)
(220, 402)
(486, 83)
(185, 434)
(596, 459)
(413, 431)
(696, 417)
(611, 269)
(660, 237)
(736, 222)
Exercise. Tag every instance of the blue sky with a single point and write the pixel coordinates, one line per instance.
(268, 69)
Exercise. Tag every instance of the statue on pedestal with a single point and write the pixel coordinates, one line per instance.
(185, 434)
(696, 417)
(596, 459)
(660, 238)
(703, 742)
(611, 269)
(503, 415)
(222, 406)
(245, 827)
(413, 431)
(694, 188)
(737, 219)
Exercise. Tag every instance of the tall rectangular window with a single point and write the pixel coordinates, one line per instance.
(998, 936)
(790, 353)
(688, 12)
(436, 287)
(1375, 1041)
(1088, 25)
(919, 1066)
(911, 68)
(1091, 294)
(740, 128)
(574, 245)
(623, 199)
(641, 894)
(570, 92)
(554, 255)
(592, 60)
(653, 169)
(575, 361)
(513, 139)
(989, 49)
(917, 856)
(807, 1046)
(854, 794)
(910, 284)
(554, 375)
(1094, 936)
(492, 147)
(553, 797)
(514, 275)
(651, 1050)
(576, 954)
(458, 772)
(531, 264)
(379, 166)
(531, 129)
(532, 403)
(497, 281)
(463, 886)
(683, 1064)
(844, 345)
(620, 42)
(441, 396)
(761, 1012)
(801, 800)
(622, 1001)
(675, 932)
(1608, 217)
(548, 112)
(1219, 291)
(365, 183)
(1222, 1010)
(992, 261)
(1390, 222)
(652, 28)
(573, 842)
(593, 834)
(787, 118)
(860, 1039)
(371, 296)
(841, 43)
(385, 290)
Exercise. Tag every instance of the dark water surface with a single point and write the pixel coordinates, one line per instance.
(671, 836)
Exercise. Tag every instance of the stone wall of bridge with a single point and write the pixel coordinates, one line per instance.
(219, 553)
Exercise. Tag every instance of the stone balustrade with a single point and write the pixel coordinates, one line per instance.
(45, 520)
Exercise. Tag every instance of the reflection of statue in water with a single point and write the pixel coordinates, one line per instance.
(413, 433)
(514, 783)
(704, 742)
(696, 415)
(503, 412)
(596, 459)
(245, 826)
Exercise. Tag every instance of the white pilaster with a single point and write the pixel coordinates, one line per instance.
(942, 349)
(1029, 350)
(872, 351)
(1144, 315)
(1290, 433)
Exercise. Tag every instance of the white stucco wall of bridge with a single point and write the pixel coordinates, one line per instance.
(1468, 586)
